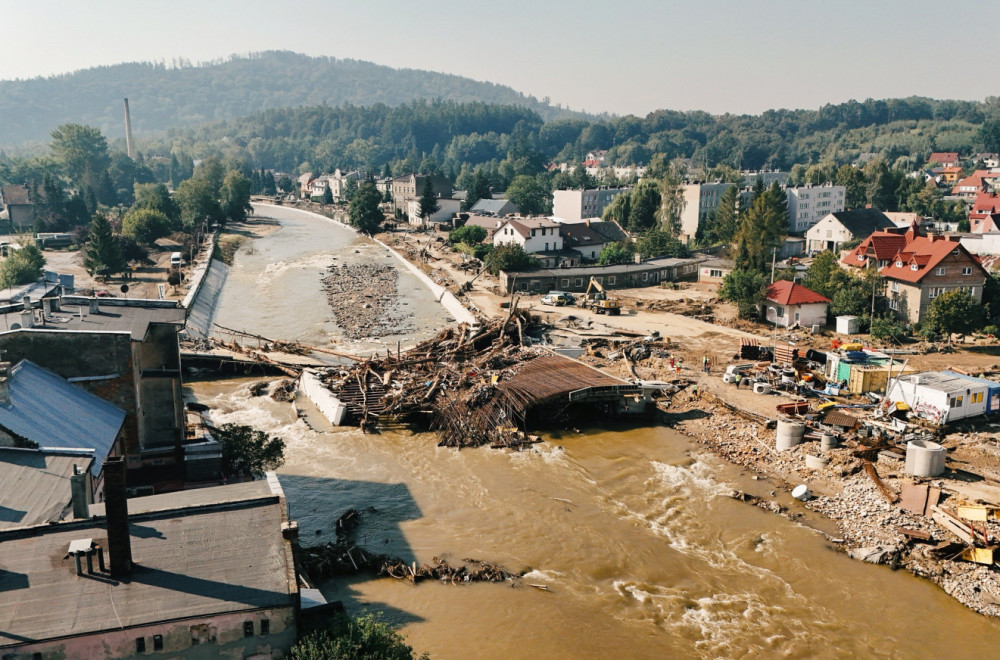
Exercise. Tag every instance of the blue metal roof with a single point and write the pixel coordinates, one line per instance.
(50, 411)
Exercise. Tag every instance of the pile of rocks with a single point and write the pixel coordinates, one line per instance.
(361, 297)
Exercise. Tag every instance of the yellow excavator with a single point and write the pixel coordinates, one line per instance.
(596, 299)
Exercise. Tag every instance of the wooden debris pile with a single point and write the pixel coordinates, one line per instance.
(453, 382)
(344, 557)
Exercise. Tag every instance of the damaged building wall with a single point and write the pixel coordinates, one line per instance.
(105, 357)
(201, 638)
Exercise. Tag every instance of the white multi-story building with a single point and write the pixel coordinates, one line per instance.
(580, 204)
(810, 204)
(700, 199)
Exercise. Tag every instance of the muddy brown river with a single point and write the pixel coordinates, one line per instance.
(630, 529)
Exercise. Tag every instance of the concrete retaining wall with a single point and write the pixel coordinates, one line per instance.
(198, 274)
(331, 407)
(201, 310)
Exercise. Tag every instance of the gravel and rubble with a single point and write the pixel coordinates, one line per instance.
(362, 297)
(868, 525)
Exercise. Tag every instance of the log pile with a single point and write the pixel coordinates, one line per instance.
(344, 557)
(453, 382)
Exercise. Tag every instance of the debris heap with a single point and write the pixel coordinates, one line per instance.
(454, 382)
(361, 297)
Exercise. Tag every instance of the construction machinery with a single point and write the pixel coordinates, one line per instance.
(595, 298)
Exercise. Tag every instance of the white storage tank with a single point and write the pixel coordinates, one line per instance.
(924, 458)
(847, 325)
(789, 434)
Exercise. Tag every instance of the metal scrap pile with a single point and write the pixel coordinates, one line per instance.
(454, 382)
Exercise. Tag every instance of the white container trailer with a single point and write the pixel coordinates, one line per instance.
(939, 396)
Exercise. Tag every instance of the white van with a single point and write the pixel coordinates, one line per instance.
(176, 260)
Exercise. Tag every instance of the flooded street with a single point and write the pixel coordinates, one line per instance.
(643, 554)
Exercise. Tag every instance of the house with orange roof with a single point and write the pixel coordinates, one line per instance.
(973, 184)
(926, 267)
(987, 225)
(949, 174)
(790, 304)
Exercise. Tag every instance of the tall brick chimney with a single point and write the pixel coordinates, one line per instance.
(116, 511)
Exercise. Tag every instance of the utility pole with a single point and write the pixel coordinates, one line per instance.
(774, 257)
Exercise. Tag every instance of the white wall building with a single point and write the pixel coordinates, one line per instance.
(790, 304)
(447, 208)
(578, 205)
(808, 205)
(985, 245)
(532, 234)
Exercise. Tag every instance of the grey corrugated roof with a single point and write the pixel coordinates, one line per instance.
(494, 206)
(48, 410)
(192, 563)
(610, 230)
(35, 485)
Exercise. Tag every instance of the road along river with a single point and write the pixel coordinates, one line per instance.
(631, 529)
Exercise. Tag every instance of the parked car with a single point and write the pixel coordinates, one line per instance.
(565, 295)
(555, 301)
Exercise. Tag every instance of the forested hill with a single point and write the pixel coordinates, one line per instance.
(164, 96)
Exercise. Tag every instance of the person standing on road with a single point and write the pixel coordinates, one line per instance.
(737, 379)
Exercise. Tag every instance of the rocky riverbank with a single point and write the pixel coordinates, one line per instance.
(363, 298)
(868, 524)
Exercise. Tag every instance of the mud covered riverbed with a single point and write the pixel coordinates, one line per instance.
(364, 299)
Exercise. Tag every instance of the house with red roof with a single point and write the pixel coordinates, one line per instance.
(926, 267)
(986, 204)
(944, 158)
(877, 250)
(949, 174)
(790, 304)
(988, 225)
(977, 182)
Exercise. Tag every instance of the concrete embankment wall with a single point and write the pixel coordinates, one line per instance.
(201, 308)
(198, 274)
(331, 407)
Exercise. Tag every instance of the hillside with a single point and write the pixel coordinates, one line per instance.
(163, 97)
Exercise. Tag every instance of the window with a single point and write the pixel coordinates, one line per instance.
(265, 626)
(967, 270)
(780, 311)
(579, 281)
(956, 402)
(894, 286)
(976, 397)
(157, 642)
(715, 273)
(899, 264)
(611, 279)
(565, 282)
(248, 628)
(140, 644)
(645, 276)
(894, 304)
(940, 271)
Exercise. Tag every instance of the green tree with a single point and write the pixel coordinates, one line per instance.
(747, 289)
(145, 225)
(761, 232)
(954, 311)
(479, 189)
(349, 190)
(365, 213)
(619, 209)
(327, 198)
(644, 203)
(510, 257)
(22, 266)
(852, 301)
(886, 328)
(197, 202)
(619, 252)
(247, 451)
(854, 186)
(726, 218)
(530, 194)
(234, 196)
(347, 638)
(155, 196)
(103, 254)
(658, 243)
(989, 135)
(468, 234)
(82, 151)
(428, 200)
(672, 201)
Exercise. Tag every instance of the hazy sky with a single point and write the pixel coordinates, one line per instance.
(623, 56)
